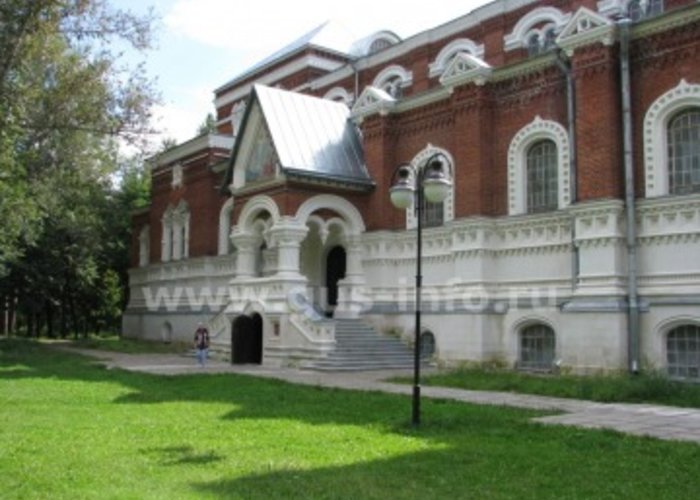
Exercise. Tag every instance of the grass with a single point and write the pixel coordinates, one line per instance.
(73, 429)
(645, 388)
(116, 343)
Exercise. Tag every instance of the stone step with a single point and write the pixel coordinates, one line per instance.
(360, 347)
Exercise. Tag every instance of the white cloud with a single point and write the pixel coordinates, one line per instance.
(264, 26)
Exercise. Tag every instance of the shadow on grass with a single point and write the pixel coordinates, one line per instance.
(460, 450)
(183, 455)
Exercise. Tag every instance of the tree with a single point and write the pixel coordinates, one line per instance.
(65, 103)
(208, 126)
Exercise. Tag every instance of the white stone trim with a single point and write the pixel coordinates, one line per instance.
(372, 100)
(517, 38)
(339, 93)
(438, 66)
(393, 71)
(362, 47)
(448, 206)
(351, 215)
(190, 147)
(655, 134)
(225, 226)
(536, 130)
(585, 28)
(465, 68)
(270, 78)
(251, 210)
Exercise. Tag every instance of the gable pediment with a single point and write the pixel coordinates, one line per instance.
(372, 100)
(256, 160)
(465, 68)
(585, 28)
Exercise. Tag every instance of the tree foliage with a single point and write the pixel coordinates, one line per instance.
(66, 102)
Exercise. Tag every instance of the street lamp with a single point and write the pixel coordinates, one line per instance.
(411, 184)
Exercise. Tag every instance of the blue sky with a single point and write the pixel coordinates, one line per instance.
(201, 44)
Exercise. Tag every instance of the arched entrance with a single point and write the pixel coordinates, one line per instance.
(335, 271)
(246, 340)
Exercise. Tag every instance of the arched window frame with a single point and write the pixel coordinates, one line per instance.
(393, 79)
(339, 94)
(225, 227)
(519, 37)
(448, 211)
(439, 65)
(536, 131)
(538, 334)
(613, 8)
(180, 230)
(166, 250)
(656, 122)
(685, 363)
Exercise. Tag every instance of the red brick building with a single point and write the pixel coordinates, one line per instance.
(570, 236)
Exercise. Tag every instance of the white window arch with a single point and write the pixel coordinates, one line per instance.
(339, 94)
(176, 232)
(393, 79)
(450, 50)
(166, 250)
(684, 96)
(448, 210)
(529, 135)
(529, 23)
(225, 227)
(537, 347)
(144, 245)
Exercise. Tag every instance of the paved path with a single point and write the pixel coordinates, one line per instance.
(664, 422)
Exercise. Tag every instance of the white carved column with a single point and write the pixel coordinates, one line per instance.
(286, 235)
(246, 248)
(351, 292)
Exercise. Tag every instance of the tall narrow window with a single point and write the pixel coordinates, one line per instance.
(433, 214)
(537, 347)
(683, 352)
(542, 182)
(684, 152)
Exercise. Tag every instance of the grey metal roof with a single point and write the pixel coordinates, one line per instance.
(313, 137)
(331, 36)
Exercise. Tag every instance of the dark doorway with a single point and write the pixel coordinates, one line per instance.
(246, 341)
(335, 271)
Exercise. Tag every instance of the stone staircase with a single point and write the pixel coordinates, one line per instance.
(359, 347)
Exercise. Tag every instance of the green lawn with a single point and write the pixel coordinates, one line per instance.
(72, 429)
(647, 388)
(121, 344)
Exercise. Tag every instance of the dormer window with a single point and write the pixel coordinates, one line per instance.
(379, 44)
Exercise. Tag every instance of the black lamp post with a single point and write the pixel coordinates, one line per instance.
(431, 180)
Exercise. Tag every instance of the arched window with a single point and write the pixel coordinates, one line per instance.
(393, 80)
(542, 182)
(533, 44)
(433, 214)
(638, 10)
(684, 152)
(537, 347)
(427, 344)
(379, 44)
(683, 352)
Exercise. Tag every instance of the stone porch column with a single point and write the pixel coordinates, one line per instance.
(286, 235)
(245, 244)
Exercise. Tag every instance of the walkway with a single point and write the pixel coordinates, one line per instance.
(663, 422)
